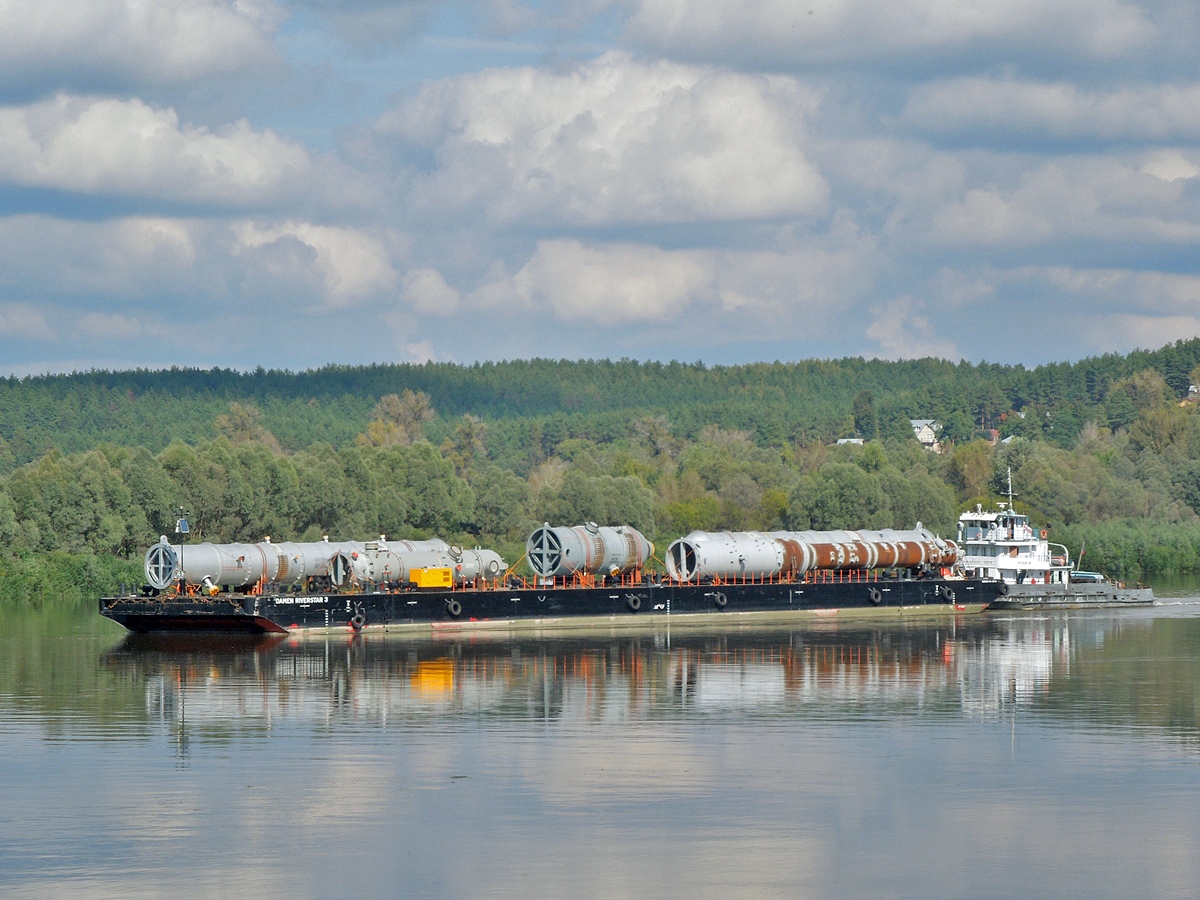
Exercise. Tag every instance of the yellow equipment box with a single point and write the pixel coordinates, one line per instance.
(431, 578)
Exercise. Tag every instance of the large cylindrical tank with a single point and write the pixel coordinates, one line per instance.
(745, 554)
(474, 564)
(591, 549)
(376, 562)
(415, 546)
(362, 566)
(237, 565)
(791, 553)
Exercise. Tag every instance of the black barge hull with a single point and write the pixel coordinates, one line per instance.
(543, 608)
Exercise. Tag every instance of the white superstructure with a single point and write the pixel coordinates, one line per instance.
(1002, 544)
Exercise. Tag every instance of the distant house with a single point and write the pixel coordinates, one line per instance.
(857, 441)
(927, 431)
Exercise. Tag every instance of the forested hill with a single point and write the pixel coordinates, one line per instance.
(95, 466)
(778, 403)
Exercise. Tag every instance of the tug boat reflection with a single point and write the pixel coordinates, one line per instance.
(975, 668)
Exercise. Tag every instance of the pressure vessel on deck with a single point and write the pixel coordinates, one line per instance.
(725, 554)
(591, 549)
(747, 553)
(379, 562)
(237, 565)
(357, 565)
(288, 563)
(477, 563)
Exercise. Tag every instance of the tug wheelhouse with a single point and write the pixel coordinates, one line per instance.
(1003, 545)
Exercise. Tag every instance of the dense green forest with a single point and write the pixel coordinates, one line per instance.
(94, 466)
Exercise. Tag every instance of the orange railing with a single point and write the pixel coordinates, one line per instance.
(636, 578)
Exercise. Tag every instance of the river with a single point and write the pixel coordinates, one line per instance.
(990, 755)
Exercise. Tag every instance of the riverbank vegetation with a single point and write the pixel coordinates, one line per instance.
(95, 466)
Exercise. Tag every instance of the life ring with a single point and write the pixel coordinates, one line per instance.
(875, 595)
(357, 621)
(633, 601)
(1043, 534)
(453, 608)
(720, 599)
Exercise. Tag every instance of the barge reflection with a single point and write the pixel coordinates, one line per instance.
(968, 668)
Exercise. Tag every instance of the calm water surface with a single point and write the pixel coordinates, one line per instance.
(984, 756)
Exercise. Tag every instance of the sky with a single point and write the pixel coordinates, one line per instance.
(289, 184)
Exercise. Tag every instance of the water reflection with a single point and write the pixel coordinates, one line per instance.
(988, 756)
(977, 668)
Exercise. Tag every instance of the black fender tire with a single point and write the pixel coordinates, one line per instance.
(453, 609)
(358, 621)
(875, 595)
(634, 602)
(721, 600)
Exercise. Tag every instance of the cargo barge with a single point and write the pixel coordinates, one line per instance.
(584, 576)
(554, 607)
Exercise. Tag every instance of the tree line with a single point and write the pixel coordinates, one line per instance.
(1126, 485)
(531, 405)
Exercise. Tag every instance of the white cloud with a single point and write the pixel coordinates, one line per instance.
(611, 284)
(1170, 165)
(41, 256)
(124, 147)
(153, 262)
(419, 352)
(1067, 200)
(903, 330)
(132, 41)
(1124, 309)
(623, 205)
(103, 327)
(344, 265)
(840, 31)
(1122, 332)
(1159, 295)
(1033, 309)
(24, 321)
(773, 293)
(1005, 109)
(426, 291)
(613, 141)
(920, 199)
(153, 291)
